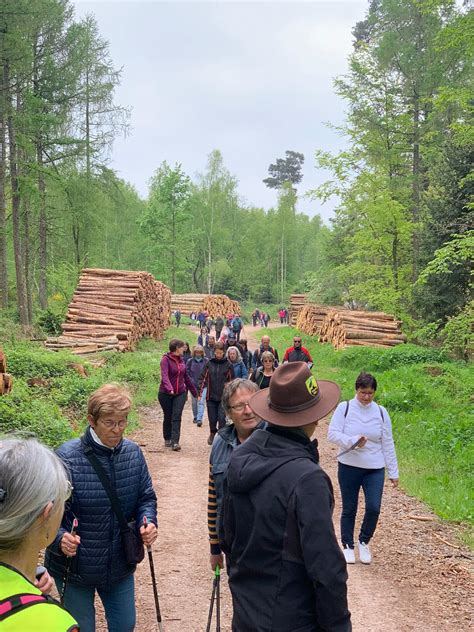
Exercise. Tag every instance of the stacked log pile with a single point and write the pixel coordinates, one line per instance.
(311, 317)
(112, 310)
(6, 380)
(344, 327)
(297, 302)
(214, 304)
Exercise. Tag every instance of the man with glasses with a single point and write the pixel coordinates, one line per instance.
(244, 421)
(98, 559)
(298, 353)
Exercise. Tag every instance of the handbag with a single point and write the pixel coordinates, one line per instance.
(131, 540)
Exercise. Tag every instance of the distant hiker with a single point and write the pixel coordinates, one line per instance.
(201, 318)
(192, 316)
(174, 385)
(219, 325)
(203, 337)
(218, 372)
(103, 561)
(187, 354)
(254, 318)
(246, 354)
(34, 488)
(262, 319)
(195, 367)
(177, 317)
(297, 353)
(210, 347)
(287, 316)
(209, 324)
(237, 326)
(235, 358)
(264, 346)
(235, 404)
(286, 570)
(363, 422)
(263, 374)
(281, 314)
(266, 319)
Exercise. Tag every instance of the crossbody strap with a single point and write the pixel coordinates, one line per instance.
(107, 485)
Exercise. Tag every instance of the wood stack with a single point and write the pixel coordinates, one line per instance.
(297, 302)
(112, 310)
(214, 304)
(311, 317)
(344, 327)
(6, 380)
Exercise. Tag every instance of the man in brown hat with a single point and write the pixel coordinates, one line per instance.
(286, 570)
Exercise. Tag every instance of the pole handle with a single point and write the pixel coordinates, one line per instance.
(145, 523)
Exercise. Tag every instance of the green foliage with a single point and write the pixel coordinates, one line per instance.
(50, 323)
(458, 334)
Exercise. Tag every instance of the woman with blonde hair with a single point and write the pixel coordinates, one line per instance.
(33, 490)
(264, 373)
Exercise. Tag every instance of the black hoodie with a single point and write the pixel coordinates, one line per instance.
(286, 570)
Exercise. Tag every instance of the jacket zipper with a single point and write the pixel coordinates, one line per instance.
(112, 521)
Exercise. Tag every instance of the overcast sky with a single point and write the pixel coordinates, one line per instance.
(252, 79)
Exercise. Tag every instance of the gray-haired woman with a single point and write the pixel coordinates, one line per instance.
(263, 374)
(33, 490)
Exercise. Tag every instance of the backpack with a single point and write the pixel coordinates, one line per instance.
(380, 408)
(236, 324)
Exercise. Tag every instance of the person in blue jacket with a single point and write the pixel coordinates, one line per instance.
(235, 358)
(98, 562)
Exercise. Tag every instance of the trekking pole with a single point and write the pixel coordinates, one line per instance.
(67, 567)
(211, 605)
(218, 599)
(153, 581)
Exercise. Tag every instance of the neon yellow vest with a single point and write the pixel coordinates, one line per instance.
(38, 617)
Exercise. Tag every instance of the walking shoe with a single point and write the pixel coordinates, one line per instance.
(210, 439)
(364, 553)
(176, 447)
(194, 421)
(167, 443)
(349, 555)
(199, 424)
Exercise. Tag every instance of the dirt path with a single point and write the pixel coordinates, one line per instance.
(416, 582)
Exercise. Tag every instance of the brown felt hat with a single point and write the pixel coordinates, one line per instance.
(295, 398)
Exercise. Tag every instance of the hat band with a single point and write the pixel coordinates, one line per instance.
(295, 409)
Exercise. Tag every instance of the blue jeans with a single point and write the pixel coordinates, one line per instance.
(118, 601)
(351, 479)
(198, 405)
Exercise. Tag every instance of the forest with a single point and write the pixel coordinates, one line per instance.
(401, 239)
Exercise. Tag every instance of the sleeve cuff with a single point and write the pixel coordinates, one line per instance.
(216, 549)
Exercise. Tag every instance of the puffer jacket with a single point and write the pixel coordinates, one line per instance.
(100, 560)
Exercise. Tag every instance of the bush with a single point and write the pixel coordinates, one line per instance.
(372, 359)
(50, 322)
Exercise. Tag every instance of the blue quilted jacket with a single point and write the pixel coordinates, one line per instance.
(100, 559)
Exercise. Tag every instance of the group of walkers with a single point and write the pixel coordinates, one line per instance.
(270, 504)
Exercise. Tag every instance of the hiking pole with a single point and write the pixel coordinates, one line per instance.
(215, 591)
(153, 581)
(218, 599)
(67, 567)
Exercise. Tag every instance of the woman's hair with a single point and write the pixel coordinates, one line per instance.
(31, 476)
(243, 343)
(197, 349)
(187, 347)
(232, 387)
(176, 343)
(236, 349)
(267, 355)
(219, 345)
(109, 398)
(366, 380)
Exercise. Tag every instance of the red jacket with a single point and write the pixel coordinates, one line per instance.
(297, 355)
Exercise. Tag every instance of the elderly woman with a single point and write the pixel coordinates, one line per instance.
(363, 431)
(235, 358)
(263, 374)
(33, 489)
(102, 561)
(195, 367)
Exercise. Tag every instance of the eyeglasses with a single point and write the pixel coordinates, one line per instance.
(240, 407)
(113, 424)
(296, 340)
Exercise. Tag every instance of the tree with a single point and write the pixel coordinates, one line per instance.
(166, 217)
(285, 170)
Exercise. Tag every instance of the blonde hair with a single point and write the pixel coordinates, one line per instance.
(109, 398)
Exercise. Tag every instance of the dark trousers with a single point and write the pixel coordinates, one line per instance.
(218, 334)
(172, 406)
(351, 479)
(215, 414)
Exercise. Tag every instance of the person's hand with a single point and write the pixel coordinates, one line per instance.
(44, 582)
(362, 441)
(69, 544)
(217, 559)
(394, 482)
(148, 533)
(171, 392)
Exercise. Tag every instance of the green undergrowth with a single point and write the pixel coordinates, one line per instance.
(429, 399)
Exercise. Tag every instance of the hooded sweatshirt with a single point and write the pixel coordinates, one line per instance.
(286, 570)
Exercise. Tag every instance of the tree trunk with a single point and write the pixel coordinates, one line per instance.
(3, 205)
(16, 220)
(43, 231)
(416, 184)
(173, 252)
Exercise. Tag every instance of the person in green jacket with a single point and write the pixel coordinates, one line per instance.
(33, 490)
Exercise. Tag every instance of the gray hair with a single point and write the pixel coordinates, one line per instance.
(231, 388)
(236, 349)
(267, 355)
(31, 476)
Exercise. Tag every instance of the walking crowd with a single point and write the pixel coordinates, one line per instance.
(270, 504)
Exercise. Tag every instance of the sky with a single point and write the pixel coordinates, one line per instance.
(252, 79)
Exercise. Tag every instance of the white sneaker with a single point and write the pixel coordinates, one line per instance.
(349, 555)
(364, 553)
